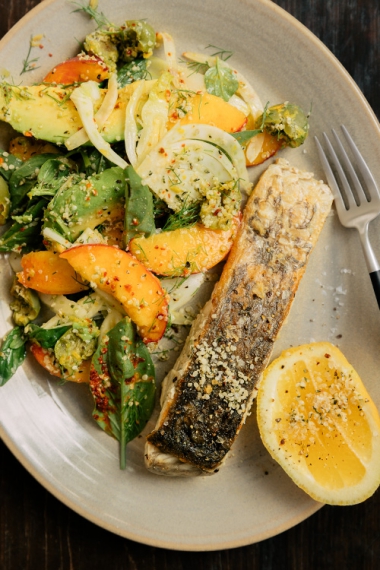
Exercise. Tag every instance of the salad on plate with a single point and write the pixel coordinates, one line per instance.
(121, 193)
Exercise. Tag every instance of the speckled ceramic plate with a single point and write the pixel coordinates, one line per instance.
(49, 427)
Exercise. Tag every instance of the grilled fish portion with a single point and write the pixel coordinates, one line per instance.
(209, 392)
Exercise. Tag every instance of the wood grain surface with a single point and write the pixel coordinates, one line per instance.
(37, 532)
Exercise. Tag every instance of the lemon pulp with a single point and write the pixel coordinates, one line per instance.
(318, 421)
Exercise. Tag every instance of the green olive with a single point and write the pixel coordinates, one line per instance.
(75, 345)
(5, 201)
(26, 306)
(288, 122)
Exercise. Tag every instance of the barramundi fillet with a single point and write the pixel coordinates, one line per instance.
(206, 397)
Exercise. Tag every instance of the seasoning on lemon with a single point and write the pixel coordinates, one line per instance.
(319, 423)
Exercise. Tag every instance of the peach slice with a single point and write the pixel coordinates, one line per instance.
(211, 110)
(118, 273)
(78, 70)
(45, 272)
(183, 251)
(45, 359)
(268, 145)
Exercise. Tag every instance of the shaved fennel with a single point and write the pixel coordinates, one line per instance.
(83, 98)
(101, 117)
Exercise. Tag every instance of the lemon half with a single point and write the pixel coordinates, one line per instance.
(319, 423)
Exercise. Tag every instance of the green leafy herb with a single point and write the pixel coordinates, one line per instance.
(244, 136)
(187, 216)
(24, 236)
(51, 176)
(133, 71)
(45, 337)
(160, 207)
(196, 66)
(92, 11)
(139, 217)
(29, 64)
(220, 81)
(8, 164)
(24, 178)
(91, 160)
(223, 54)
(12, 354)
(122, 384)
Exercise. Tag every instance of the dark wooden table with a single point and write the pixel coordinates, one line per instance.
(37, 532)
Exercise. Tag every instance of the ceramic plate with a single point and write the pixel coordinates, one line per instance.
(49, 427)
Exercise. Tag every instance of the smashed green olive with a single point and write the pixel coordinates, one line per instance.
(286, 121)
(5, 201)
(137, 39)
(75, 345)
(26, 306)
(102, 45)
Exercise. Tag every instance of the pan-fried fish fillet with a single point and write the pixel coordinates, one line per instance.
(207, 395)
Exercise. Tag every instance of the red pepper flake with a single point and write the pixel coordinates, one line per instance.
(327, 355)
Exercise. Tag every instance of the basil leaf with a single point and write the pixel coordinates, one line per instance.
(220, 81)
(25, 232)
(45, 337)
(122, 384)
(139, 211)
(12, 354)
(93, 161)
(50, 177)
(24, 178)
(132, 71)
(244, 136)
(91, 208)
(8, 164)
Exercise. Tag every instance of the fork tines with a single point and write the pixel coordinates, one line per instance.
(340, 171)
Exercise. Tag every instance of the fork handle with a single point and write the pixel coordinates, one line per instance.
(371, 261)
(375, 279)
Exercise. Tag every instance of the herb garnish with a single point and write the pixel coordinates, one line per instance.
(187, 216)
(92, 11)
(122, 384)
(29, 64)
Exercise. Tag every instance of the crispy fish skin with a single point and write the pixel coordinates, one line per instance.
(209, 392)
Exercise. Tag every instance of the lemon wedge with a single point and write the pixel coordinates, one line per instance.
(319, 423)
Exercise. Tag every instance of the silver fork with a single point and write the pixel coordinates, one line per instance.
(356, 209)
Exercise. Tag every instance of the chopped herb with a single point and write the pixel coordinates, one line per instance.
(187, 216)
(92, 11)
(29, 64)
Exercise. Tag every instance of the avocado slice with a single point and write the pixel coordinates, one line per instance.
(86, 203)
(46, 111)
